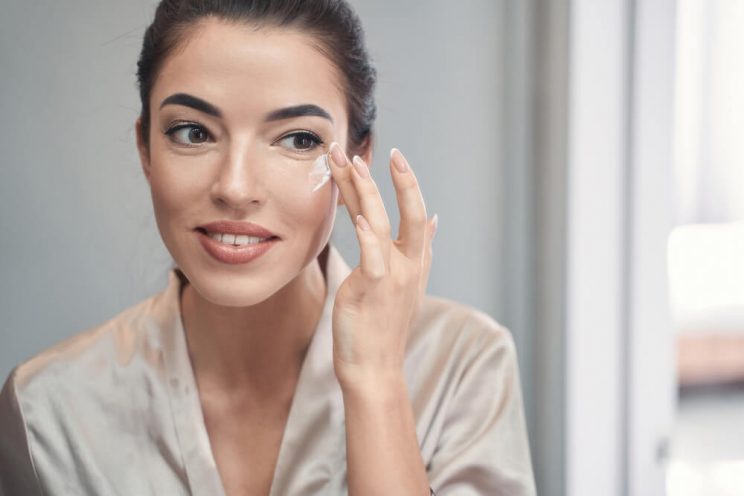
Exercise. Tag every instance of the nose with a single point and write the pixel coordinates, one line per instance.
(238, 184)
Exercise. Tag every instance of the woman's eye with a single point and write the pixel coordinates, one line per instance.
(301, 141)
(188, 134)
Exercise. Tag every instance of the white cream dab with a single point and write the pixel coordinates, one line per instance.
(320, 173)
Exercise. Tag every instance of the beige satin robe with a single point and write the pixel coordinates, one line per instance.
(115, 410)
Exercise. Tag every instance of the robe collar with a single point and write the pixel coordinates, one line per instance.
(312, 453)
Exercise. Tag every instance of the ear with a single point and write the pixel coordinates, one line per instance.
(144, 152)
(366, 150)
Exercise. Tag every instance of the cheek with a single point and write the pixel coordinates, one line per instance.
(174, 189)
(309, 210)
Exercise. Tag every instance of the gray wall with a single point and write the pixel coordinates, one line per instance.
(79, 240)
(439, 98)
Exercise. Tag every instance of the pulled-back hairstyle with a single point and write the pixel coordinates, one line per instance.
(333, 25)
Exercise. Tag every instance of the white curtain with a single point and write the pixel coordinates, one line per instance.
(709, 143)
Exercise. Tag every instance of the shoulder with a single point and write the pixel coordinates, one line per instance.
(455, 328)
(463, 379)
(105, 386)
(454, 347)
(48, 396)
(87, 355)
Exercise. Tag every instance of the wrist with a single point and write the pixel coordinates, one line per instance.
(377, 385)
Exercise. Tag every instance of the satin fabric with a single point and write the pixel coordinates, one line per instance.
(115, 409)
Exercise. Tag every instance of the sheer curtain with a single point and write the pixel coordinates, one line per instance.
(709, 151)
(706, 268)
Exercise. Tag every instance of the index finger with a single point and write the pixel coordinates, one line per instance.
(341, 171)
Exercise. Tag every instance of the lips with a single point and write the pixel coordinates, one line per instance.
(237, 228)
(234, 254)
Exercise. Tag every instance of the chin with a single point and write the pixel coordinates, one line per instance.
(234, 291)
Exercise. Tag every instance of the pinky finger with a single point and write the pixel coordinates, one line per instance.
(371, 259)
(431, 229)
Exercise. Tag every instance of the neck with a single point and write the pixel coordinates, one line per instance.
(258, 348)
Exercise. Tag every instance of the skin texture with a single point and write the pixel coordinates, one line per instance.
(242, 167)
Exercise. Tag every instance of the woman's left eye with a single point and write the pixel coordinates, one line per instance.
(302, 141)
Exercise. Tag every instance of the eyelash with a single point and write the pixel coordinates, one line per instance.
(309, 134)
(177, 126)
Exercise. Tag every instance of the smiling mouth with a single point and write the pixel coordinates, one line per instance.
(235, 239)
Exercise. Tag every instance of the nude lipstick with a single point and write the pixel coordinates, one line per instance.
(234, 242)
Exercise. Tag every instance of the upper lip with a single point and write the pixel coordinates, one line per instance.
(235, 227)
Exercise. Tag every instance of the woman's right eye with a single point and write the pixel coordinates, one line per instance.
(188, 134)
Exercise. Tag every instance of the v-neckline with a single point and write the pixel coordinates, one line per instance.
(314, 434)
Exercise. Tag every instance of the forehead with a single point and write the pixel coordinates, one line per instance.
(242, 68)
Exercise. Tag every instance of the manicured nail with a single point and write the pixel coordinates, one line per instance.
(434, 222)
(362, 222)
(360, 167)
(398, 161)
(337, 155)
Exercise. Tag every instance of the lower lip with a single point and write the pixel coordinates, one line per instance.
(232, 254)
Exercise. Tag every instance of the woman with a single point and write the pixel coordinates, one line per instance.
(268, 365)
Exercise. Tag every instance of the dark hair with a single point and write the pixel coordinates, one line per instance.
(332, 23)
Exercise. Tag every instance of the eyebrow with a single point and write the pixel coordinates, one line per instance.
(193, 102)
(197, 103)
(298, 111)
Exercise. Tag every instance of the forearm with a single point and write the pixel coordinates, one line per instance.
(382, 451)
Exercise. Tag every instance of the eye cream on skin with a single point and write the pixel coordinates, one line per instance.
(320, 173)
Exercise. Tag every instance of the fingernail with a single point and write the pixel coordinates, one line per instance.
(434, 222)
(362, 222)
(337, 154)
(398, 161)
(360, 167)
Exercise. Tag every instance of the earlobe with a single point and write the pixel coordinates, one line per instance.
(144, 153)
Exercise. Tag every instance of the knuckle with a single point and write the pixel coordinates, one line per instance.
(419, 216)
(369, 186)
(376, 273)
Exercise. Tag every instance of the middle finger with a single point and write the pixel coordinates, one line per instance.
(373, 208)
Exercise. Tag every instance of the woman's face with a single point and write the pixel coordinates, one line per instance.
(273, 105)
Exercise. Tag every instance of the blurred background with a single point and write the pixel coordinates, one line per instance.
(586, 161)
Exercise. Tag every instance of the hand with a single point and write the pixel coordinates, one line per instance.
(379, 300)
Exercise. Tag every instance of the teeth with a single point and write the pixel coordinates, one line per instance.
(232, 239)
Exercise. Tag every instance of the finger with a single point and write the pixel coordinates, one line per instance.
(372, 205)
(371, 259)
(431, 229)
(413, 223)
(342, 175)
